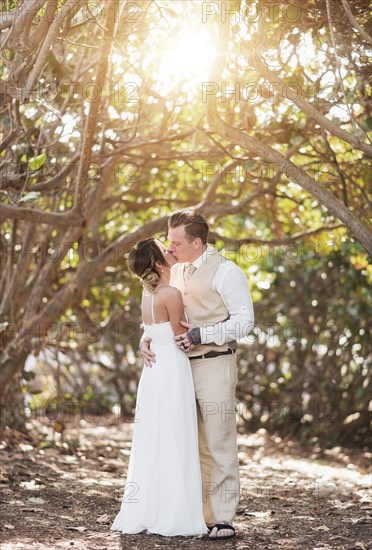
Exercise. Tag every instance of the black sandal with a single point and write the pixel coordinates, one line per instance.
(220, 527)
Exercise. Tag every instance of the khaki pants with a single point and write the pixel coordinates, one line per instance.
(215, 384)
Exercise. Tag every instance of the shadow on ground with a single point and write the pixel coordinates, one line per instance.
(66, 494)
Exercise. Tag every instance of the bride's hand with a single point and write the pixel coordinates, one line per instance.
(149, 356)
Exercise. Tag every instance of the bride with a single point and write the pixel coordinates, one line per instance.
(163, 491)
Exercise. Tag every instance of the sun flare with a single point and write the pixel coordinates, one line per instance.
(187, 57)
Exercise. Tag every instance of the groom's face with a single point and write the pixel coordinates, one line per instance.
(180, 247)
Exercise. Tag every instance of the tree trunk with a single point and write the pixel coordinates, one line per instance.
(12, 405)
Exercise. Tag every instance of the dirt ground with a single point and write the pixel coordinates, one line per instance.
(65, 493)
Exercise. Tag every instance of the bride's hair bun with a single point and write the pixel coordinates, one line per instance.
(141, 262)
(150, 280)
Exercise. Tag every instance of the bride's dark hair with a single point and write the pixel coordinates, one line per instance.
(141, 262)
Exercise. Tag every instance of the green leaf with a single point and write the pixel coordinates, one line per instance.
(31, 196)
(368, 123)
(35, 163)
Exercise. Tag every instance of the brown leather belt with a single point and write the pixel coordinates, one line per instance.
(213, 354)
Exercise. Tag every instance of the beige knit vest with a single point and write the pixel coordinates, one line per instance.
(203, 305)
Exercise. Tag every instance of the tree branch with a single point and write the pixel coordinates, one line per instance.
(70, 293)
(7, 19)
(70, 218)
(18, 19)
(276, 242)
(258, 63)
(355, 23)
(68, 10)
(94, 108)
(294, 172)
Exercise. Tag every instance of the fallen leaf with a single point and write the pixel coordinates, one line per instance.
(259, 514)
(36, 500)
(240, 510)
(103, 519)
(321, 528)
(289, 481)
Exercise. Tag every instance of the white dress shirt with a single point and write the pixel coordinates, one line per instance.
(231, 283)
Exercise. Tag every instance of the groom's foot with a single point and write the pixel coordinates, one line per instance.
(221, 531)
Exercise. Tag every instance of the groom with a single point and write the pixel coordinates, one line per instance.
(219, 309)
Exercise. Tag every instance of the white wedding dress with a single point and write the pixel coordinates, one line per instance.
(163, 491)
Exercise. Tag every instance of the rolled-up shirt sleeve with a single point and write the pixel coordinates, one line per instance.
(232, 285)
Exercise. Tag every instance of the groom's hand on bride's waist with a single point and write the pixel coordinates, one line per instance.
(149, 356)
(188, 340)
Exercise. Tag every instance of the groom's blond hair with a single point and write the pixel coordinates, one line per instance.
(194, 222)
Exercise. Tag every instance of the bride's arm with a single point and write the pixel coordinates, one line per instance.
(175, 309)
